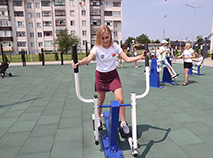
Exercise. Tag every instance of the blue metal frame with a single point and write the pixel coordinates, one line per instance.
(166, 75)
(154, 75)
(196, 74)
(110, 141)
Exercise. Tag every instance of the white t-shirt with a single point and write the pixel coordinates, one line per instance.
(157, 53)
(163, 55)
(188, 53)
(200, 60)
(106, 58)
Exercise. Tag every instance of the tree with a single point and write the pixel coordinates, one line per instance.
(142, 39)
(65, 41)
(199, 38)
(129, 41)
(156, 41)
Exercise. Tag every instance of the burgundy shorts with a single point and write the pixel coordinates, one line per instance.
(107, 81)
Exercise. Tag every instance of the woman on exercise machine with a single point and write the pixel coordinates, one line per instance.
(106, 75)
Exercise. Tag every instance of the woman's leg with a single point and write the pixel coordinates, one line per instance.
(101, 98)
(119, 96)
(186, 75)
(170, 71)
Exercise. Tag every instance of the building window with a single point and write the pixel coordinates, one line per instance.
(5, 33)
(71, 2)
(29, 5)
(60, 13)
(115, 34)
(108, 4)
(32, 44)
(3, 13)
(20, 34)
(94, 2)
(84, 42)
(39, 34)
(83, 2)
(47, 33)
(116, 13)
(21, 44)
(95, 22)
(72, 23)
(30, 25)
(19, 23)
(18, 13)
(116, 4)
(4, 23)
(84, 23)
(46, 13)
(72, 32)
(30, 15)
(83, 12)
(72, 13)
(46, 23)
(37, 5)
(31, 34)
(116, 24)
(60, 22)
(59, 2)
(96, 12)
(48, 43)
(84, 33)
(38, 15)
(7, 44)
(38, 25)
(40, 44)
(45, 3)
(107, 13)
(3, 2)
(108, 23)
(17, 3)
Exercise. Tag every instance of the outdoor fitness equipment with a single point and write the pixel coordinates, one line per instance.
(109, 140)
(155, 76)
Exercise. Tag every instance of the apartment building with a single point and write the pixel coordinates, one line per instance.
(33, 24)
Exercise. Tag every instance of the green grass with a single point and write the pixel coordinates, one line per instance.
(47, 57)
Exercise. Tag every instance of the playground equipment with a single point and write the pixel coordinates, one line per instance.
(109, 140)
(4, 64)
(195, 70)
(155, 75)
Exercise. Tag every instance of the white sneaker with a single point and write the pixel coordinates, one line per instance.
(125, 127)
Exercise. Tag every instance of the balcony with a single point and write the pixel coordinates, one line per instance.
(6, 38)
(60, 13)
(3, 28)
(3, 2)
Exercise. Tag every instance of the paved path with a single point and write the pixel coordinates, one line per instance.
(40, 116)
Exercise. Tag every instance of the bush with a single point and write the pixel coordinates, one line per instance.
(39, 57)
(5, 57)
(56, 56)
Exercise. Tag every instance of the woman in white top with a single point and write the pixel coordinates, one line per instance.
(188, 54)
(106, 75)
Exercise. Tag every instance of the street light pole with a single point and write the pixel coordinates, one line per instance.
(193, 19)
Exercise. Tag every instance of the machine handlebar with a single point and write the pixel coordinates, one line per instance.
(75, 56)
(146, 57)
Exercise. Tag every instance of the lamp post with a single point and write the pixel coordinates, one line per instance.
(193, 20)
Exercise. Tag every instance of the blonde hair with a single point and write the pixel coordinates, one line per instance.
(188, 44)
(100, 31)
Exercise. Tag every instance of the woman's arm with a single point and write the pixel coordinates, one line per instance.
(131, 59)
(180, 56)
(84, 61)
(193, 56)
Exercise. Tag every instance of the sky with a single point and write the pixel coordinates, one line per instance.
(152, 17)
